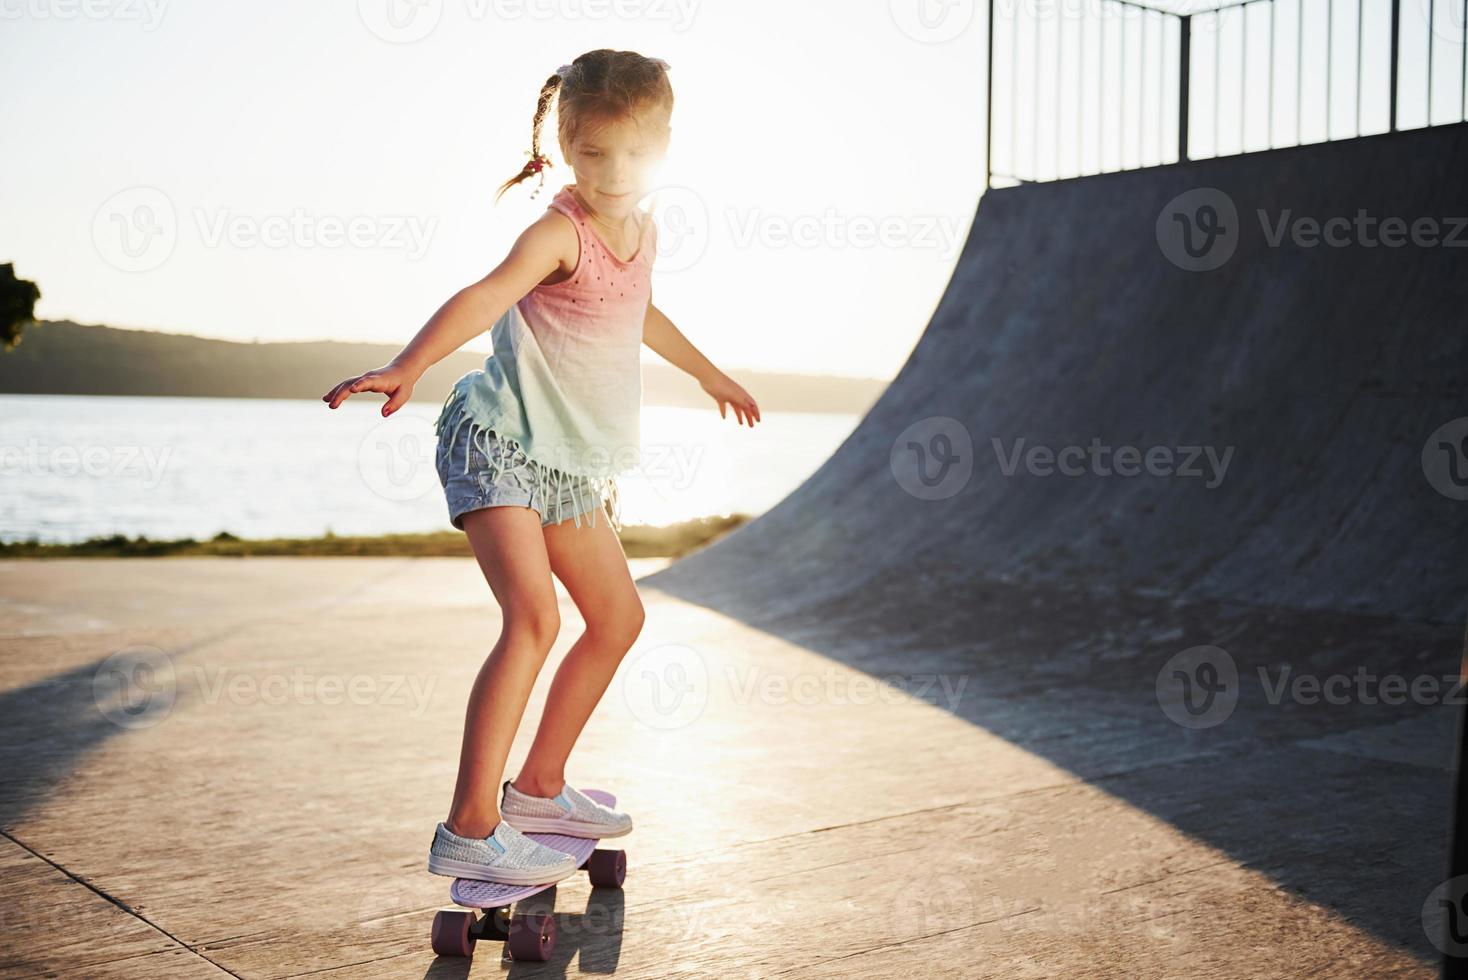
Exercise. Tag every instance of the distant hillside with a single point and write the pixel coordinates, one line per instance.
(58, 357)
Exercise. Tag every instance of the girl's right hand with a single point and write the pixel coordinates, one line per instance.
(394, 380)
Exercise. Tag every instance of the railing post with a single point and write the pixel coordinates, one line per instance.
(1396, 36)
(989, 112)
(1184, 70)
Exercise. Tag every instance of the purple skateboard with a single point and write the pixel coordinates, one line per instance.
(531, 935)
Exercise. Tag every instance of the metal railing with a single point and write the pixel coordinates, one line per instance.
(1078, 87)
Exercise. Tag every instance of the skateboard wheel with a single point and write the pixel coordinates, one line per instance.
(451, 933)
(607, 869)
(532, 936)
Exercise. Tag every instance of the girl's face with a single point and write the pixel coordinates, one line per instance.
(614, 162)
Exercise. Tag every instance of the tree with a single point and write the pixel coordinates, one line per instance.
(17, 305)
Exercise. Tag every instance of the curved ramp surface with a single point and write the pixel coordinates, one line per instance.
(1324, 369)
(1313, 549)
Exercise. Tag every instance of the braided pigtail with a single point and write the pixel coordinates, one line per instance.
(538, 161)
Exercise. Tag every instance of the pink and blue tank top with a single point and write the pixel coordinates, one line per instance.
(564, 383)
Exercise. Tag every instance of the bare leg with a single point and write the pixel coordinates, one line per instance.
(510, 548)
(590, 562)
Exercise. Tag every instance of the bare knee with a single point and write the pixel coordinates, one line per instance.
(620, 626)
(534, 626)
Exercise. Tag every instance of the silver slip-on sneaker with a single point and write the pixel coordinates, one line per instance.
(506, 856)
(569, 812)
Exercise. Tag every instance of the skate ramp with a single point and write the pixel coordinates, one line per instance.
(1330, 545)
(1324, 368)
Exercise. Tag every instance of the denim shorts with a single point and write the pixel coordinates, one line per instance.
(515, 482)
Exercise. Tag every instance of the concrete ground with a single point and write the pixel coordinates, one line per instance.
(852, 795)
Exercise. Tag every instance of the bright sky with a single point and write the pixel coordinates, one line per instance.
(306, 171)
(158, 151)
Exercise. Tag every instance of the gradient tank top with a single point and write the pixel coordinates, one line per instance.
(564, 383)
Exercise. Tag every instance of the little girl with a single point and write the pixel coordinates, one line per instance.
(535, 440)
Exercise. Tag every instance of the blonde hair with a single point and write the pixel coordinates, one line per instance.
(599, 86)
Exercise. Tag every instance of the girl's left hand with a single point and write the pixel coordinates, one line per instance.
(724, 390)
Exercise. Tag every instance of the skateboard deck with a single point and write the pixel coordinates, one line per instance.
(532, 936)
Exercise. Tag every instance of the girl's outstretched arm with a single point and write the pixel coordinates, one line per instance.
(540, 250)
(668, 341)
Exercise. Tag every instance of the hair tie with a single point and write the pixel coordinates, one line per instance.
(564, 70)
(537, 165)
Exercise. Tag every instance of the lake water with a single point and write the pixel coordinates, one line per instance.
(74, 467)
